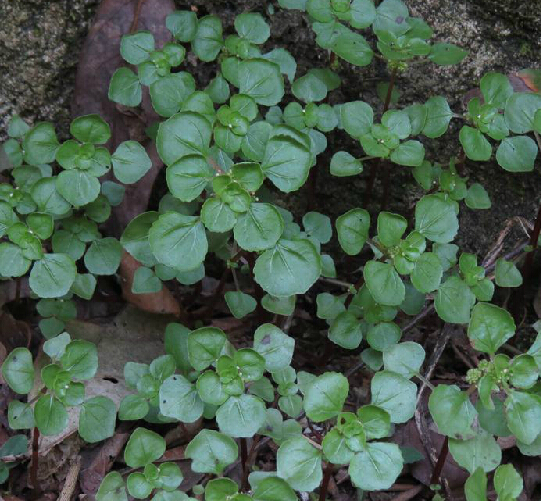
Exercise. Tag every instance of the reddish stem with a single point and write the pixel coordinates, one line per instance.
(34, 464)
(436, 473)
(325, 482)
(244, 459)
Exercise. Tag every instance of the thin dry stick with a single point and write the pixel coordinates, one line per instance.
(71, 480)
(136, 15)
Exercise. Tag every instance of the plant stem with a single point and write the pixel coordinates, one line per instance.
(325, 482)
(34, 464)
(243, 460)
(394, 73)
(436, 473)
(136, 15)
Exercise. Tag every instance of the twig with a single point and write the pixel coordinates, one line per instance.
(136, 15)
(71, 480)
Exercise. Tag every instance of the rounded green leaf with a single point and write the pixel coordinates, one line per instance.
(286, 163)
(326, 396)
(179, 400)
(273, 489)
(290, 267)
(239, 303)
(274, 346)
(496, 88)
(130, 162)
(50, 415)
(482, 451)
(523, 412)
(97, 419)
(436, 219)
(477, 197)
(188, 177)
(376, 467)
(395, 394)
(80, 359)
(452, 411)
(241, 416)
(383, 335)
(384, 283)
(507, 482)
(112, 488)
(40, 144)
(346, 331)
(205, 346)
(490, 327)
(132, 408)
(357, 118)
(18, 370)
(136, 48)
(426, 276)
(454, 301)
(404, 358)
(144, 447)
(138, 486)
(520, 111)
(352, 228)
(475, 144)
(299, 464)
(103, 256)
(182, 24)
(178, 241)
(135, 238)
(252, 27)
(259, 228)
(437, 118)
(90, 129)
(261, 80)
(309, 88)
(125, 88)
(507, 274)
(343, 165)
(186, 133)
(211, 451)
(47, 197)
(12, 261)
(78, 187)
(208, 42)
(517, 154)
(52, 276)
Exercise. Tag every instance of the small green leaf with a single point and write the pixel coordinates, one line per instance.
(376, 467)
(208, 42)
(52, 276)
(290, 267)
(132, 408)
(137, 47)
(384, 283)
(438, 117)
(475, 144)
(252, 27)
(97, 419)
(523, 412)
(259, 228)
(178, 241)
(477, 197)
(182, 24)
(50, 415)
(436, 219)
(241, 416)
(125, 87)
(274, 346)
(452, 411)
(325, 397)
(482, 451)
(475, 487)
(279, 305)
(507, 274)
(352, 228)
(144, 447)
(179, 400)
(426, 276)
(395, 394)
(496, 89)
(145, 281)
(357, 118)
(80, 359)
(130, 162)
(18, 370)
(404, 358)
(239, 303)
(507, 482)
(205, 346)
(112, 488)
(211, 451)
(103, 256)
(346, 331)
(490, 327)
(40, 144)
(520, 111)
(299, 464)
(454, 301)
(445, 54)
(517, 154)
(261, 80)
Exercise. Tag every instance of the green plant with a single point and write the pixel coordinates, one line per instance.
(228, 150)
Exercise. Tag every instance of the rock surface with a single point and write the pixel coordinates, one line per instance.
(40, 43)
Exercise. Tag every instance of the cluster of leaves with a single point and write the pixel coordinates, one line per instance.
(60, 387)
(227, 149)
